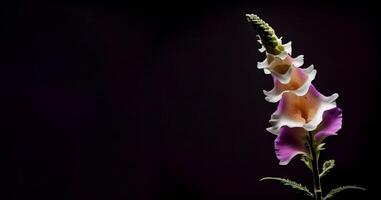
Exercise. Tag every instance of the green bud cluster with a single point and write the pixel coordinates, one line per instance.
(266, 33)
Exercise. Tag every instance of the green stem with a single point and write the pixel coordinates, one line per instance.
(314, 161)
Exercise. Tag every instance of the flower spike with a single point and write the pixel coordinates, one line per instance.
(304, 117)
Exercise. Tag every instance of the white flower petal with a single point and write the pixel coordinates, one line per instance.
(266, 71)
(288, 48)
(272, 96)
(282, 121)
(262, 49)
(308, 69)
(273, 130)
(259, 39)
(263, 64)
(298, 61)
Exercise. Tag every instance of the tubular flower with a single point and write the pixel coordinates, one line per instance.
(301, 109)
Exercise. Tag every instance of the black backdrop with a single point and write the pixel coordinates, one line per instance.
(163, 100)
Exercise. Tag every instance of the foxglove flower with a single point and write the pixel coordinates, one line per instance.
(301, 106)
(304, 117)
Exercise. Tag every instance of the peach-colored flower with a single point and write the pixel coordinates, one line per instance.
(302, 108)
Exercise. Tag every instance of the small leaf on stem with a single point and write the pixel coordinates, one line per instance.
(340, 189)
(320, 147)
(306, 161)
(290, 183)
(327, 166)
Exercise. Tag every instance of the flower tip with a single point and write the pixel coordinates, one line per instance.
(266, 33)
(251, 17)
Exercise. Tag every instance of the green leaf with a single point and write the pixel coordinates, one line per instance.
(340, 189)
(327, 166)
(306, 161)
(320, 147)
(290, 183)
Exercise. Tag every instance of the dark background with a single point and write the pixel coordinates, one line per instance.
(162, 100)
